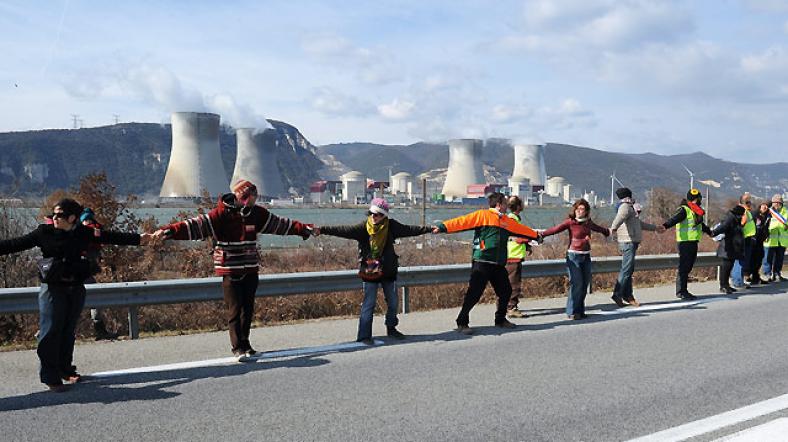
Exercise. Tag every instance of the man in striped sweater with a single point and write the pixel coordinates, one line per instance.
(233, 227)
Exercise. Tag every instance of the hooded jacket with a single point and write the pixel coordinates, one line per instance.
(233, 230)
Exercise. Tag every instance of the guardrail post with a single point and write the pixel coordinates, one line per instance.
(591, 284)
(405, 299)
(134, 323)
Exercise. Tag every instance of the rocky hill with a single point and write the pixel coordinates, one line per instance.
(134, 156)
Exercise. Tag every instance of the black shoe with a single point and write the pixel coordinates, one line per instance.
(504, 324)
(577, 316)
(366, 341)
(394, 333)
(618, 300)
(464, 329)
(727, 290)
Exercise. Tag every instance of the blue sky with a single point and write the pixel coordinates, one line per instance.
(627, 75)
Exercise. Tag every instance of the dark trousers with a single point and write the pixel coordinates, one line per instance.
(514, 271)
(688, 251)
(755, 261)
(481, 273)
(774, 259)
(725, 272)
(239, 294)
(59, 307)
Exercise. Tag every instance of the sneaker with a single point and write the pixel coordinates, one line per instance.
(464, 329)
(240, 356)
(618, 300)
(516, 313)
(394, 333)
(781, 279)
(727, 290)
(686, 296)
(504, 324)
(252, 353)
(57, 388)
(366, 341)
(632, 301)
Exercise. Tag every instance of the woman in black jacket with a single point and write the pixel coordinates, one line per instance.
(377, 262)
(63, 270)
(731, 247)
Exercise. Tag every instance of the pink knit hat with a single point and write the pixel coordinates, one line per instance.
(379, 205)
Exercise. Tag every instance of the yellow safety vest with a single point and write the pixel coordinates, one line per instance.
(515, 251)
(687, 229)
(778, 233)
(749, 226)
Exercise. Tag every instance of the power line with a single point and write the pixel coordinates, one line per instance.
(116, 117)
(75, 119)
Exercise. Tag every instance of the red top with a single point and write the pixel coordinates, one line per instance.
(579, 233)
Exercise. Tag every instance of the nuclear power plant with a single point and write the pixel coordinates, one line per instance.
(256, 161)
(195, 162)
(465, 167)
(529, 163)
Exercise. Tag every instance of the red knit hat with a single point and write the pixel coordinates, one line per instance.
(243, 189)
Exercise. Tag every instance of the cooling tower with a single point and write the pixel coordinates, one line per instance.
(465, 167)
(256, 161)
(529, 163)
(555, 186)
(195, 163)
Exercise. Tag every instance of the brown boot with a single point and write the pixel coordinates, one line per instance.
(516, 313)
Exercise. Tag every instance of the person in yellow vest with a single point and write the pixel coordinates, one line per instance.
(742, 269)
(517, 250)
(777, 241)
(758, 251)
(688, 220)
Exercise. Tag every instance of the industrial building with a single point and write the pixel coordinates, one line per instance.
(256, 161)
(465, 167)
(195, 162)
(325, 192)
(354, 187)
(529, 163)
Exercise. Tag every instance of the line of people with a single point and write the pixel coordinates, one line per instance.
(500, 244)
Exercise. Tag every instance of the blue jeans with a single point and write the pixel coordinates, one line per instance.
(742, 266)
(623, 287)
(579, 268)
(368, 306)
(59, 307)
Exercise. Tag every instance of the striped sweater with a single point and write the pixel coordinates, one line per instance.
(234, 234)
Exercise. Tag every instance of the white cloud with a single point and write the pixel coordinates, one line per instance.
(509, 113)
(397, 109)
(333, 103)
(373, 66)
(768, 6)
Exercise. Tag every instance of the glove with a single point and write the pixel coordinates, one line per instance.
(306, 231)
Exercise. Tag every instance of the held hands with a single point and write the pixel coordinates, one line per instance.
(435, 230)
(661, 229)
(315, 231)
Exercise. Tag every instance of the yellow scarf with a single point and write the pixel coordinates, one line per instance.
(378, 233)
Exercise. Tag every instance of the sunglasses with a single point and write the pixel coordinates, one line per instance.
(57, 215)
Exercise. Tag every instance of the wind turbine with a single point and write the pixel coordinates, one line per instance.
(692, 176)
(613, 181)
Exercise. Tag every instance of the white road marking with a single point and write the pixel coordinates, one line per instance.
(774, 431)
(722, 420)
(233, 360)
(665, 306)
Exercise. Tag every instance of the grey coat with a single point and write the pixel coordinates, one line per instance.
(628, 227)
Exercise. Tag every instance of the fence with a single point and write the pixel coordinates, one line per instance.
(174, 291)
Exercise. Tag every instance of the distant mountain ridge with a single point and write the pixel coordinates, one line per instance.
(134, 156)
(585, 168)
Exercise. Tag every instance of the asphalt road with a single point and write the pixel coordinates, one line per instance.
(612, 377)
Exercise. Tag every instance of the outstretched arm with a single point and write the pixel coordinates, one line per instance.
(354, 231)
(19, 244)
(195, 229)
(677, 217)
(279, 225)
(597, 228)
(558, 228)
(400, 230)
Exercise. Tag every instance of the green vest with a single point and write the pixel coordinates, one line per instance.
(749, 226)
(515, 251)
(778, 233)
(688, 230)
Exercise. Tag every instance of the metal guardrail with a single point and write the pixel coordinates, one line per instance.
(175, 291)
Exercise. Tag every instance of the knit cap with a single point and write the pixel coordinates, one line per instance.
(623, 192)
(243, 189)
(777, 198)
(694, 194)
(379, 205)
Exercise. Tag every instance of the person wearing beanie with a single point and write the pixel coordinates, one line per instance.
(628, 227)
(233, 226)
(775, 244)
(688, 220)
(63, 270)
(378, 263)
(731, 247)
(579, 225)
(88, 219)
(492, 229)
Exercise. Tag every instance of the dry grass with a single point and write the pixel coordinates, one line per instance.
(178, 261)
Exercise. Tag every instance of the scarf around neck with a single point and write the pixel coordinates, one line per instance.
(378, 233)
